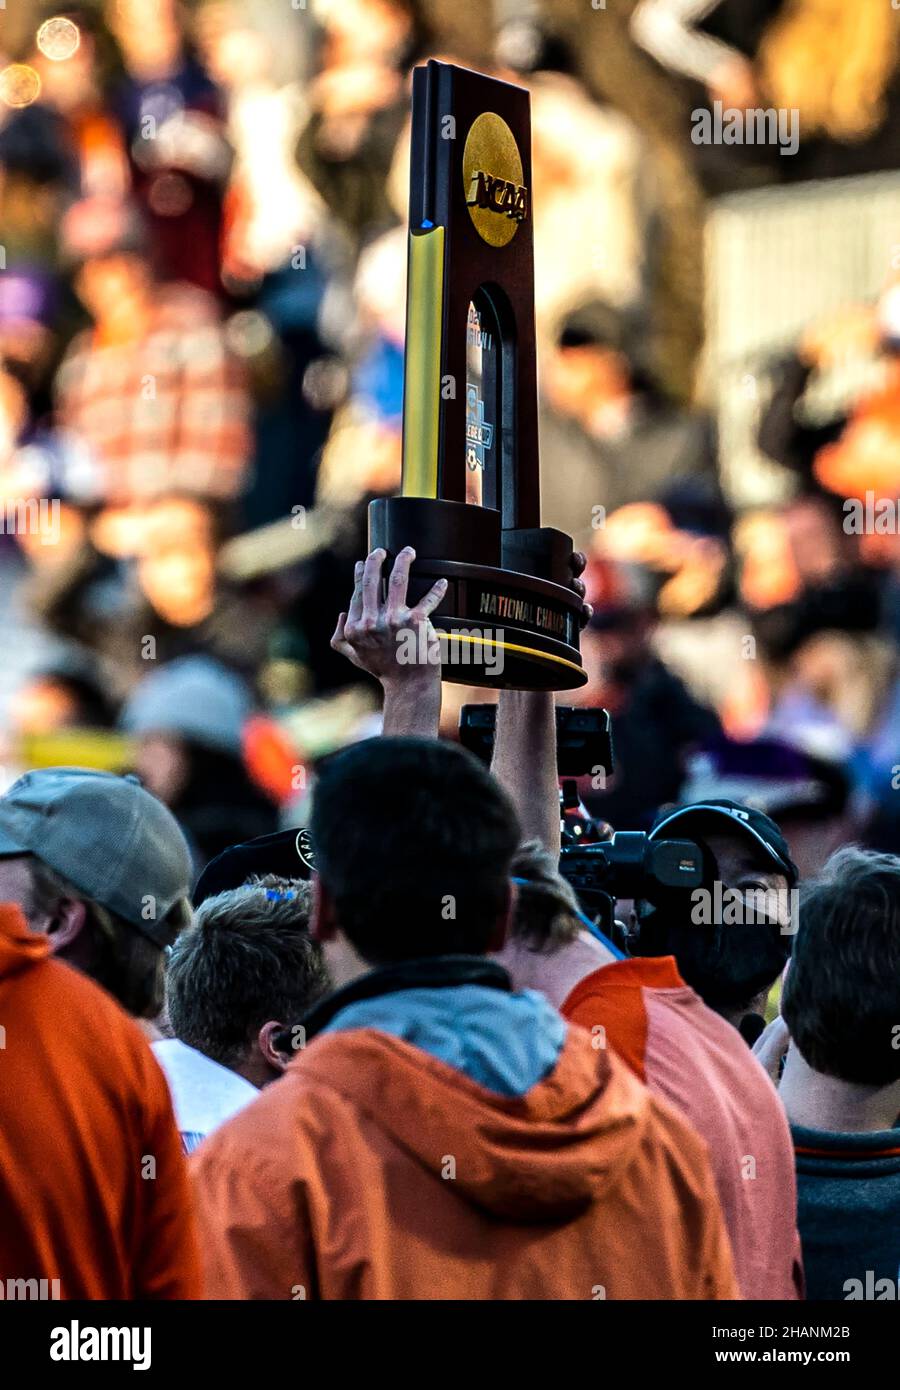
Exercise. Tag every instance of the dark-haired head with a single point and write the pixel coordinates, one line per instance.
(414, 841)
(841, 997)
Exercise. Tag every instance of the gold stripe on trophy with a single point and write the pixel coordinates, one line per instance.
(422, 378)
(534, 652)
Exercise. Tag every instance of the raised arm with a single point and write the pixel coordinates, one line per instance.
(524, 759)
(399, 646)
(524, 762)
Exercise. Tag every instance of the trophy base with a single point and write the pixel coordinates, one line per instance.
(498, 628)
(505, 658)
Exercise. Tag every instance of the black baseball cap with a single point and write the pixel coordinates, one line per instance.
(726, 814)
(287, 854)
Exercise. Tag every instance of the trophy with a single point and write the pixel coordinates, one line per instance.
(470, 494)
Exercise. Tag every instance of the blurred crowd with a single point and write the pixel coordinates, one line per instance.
(203, 211)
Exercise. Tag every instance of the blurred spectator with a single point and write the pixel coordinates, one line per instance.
(681, 547)
(358, 106)
(39, 176)
(101, 866)
(189, 718)
(271, 208)
(75, 71)
(241, 976)
(688, 37)
(841, 1081)
(594, 192)
(281, 256)
(828, 672)
(852, 453)
(172, 118)
(63, 695)
(655, 720)
(808, 797)
(609, 436)
(141, 584)
(838, 67)
(29, 313)
(362, 456)
(152, 390)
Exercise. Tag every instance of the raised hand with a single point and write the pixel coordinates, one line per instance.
(395, 643)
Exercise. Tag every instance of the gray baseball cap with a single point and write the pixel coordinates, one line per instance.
(106, 835)
(193, 697)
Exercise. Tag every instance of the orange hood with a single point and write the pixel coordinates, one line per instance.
(542, 1157)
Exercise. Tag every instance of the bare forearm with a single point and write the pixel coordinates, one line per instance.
(524, 762)
(412, 709)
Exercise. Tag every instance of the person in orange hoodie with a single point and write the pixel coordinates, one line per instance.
(94, 1196)
(440, 1135)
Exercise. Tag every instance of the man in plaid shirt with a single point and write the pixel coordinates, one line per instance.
(154, 400)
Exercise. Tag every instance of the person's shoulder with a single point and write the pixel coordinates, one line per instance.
(719, 1036)
(630, 974)
(276, 1144)
(684, 1151)
(97, 1025)
(613, 1000)
(319, 1094)
(275, 1121)
(615, 986)
(696, 1055)
(61, 982)
(670, 1145)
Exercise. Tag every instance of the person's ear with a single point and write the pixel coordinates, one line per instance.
(323, 924)
(66, 925)
(503, 925)
(266, 1040)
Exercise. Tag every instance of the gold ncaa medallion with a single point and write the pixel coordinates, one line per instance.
(496, 196)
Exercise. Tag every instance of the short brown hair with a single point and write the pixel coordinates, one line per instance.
(841, 997)
(248, 959)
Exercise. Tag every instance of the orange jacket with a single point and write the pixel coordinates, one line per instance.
(373, 1170)
(93, 1185)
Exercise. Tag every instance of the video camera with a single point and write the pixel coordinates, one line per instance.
(599, 866)
(630, 865)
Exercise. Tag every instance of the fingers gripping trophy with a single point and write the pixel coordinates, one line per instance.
(470, 500)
